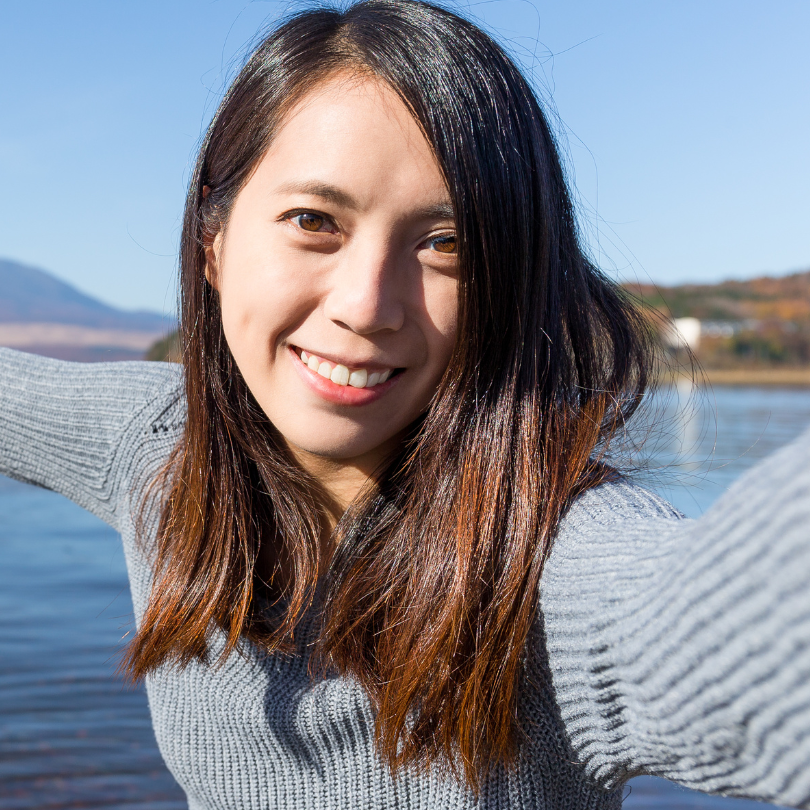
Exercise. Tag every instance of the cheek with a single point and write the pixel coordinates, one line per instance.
(441, 300)
(260, 301)
(260, 284)
(248, 324)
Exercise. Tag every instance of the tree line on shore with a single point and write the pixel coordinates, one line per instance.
(760, 323)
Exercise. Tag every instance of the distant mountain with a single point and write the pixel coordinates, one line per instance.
(31, 295)
(41, 314)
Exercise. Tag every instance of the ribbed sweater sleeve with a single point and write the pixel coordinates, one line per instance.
(681, 648)
(65, 426)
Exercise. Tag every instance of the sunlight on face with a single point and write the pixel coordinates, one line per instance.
(337, 273)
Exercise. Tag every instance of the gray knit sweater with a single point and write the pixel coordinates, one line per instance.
(663, 646)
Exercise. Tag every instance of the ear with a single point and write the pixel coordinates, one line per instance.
(213, 248)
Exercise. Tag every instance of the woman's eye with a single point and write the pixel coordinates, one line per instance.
(309, 222)
(444, 244)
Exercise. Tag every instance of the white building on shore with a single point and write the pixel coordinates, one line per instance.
(682, 333)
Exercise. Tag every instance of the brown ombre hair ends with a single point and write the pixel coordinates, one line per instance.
(432, 591)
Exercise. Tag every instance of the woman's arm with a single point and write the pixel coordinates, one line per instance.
(68, 426)
(681, 648)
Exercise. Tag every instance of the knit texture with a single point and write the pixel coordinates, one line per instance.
(663, 646)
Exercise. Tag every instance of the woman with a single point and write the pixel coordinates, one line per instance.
(402, 382)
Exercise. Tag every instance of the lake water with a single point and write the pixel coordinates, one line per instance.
(72, 735)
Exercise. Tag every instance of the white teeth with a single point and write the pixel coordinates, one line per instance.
(358, 379)
(339, 376)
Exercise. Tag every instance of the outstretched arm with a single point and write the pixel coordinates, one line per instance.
(681, 648)
(66, 426)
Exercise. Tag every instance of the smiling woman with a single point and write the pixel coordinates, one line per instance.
(378, 554)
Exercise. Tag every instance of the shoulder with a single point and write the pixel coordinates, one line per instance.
(157, 389)
(615, 526)
(617, 502)
(152, 398)
(141, 383)
(159, 412)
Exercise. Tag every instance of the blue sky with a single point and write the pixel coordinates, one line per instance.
(685, 127)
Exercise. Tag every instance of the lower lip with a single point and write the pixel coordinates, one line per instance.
(340, 394)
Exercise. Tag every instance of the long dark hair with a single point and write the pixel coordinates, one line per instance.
(433, 588)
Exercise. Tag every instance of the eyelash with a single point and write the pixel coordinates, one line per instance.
(291, 216)
(447, 236)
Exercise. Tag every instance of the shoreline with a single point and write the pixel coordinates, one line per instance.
(755, 377)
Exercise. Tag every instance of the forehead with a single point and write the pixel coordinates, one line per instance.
(353, 129)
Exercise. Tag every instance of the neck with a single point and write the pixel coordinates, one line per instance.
(342, 479)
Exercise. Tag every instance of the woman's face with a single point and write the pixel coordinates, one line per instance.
(337, 273)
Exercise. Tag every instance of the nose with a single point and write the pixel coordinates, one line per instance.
(366, 291)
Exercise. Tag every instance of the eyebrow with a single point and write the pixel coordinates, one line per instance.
(325, 191)
(337, 196)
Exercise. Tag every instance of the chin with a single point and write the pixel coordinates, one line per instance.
(339, 448)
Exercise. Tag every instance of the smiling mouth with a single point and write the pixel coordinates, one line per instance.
(343, 375)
